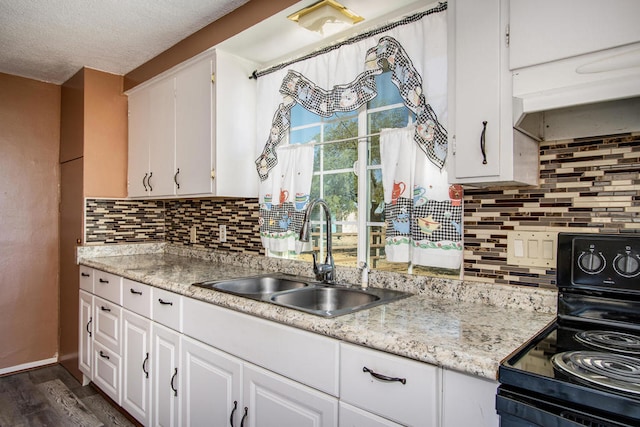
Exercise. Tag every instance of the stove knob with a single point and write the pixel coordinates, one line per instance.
(591, 262)
(627, 264)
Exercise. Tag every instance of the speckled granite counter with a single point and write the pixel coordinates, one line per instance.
(471, 336)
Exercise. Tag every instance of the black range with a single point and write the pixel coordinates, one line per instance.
(584, 368)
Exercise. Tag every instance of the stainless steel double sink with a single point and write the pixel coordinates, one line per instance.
(300, 293)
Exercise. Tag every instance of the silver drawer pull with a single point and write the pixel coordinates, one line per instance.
(383, 377)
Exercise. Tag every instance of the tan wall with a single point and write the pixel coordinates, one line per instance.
(229, 25)
(105, 135)
(29, 172)
(72, 131)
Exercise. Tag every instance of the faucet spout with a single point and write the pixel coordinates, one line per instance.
(324, 272)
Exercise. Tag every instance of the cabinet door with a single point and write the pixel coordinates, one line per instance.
(138, 162)
(350, 416)
(165, 351)
(478, 38)
(161, 132)
(571, 27)
(468, 401)
(136, 382)
(86, 335)
(235, 136)
(274, 401)
(193, 128)
(210, 386)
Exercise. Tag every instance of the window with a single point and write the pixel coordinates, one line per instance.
(348, 176)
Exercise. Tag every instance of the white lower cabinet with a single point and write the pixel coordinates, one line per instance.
(350, 416)
(173, 361)
(271, 400)
(165, 356)
(402, 390)
(85, 337)
(468, 401)
(211, 386)
(106, 371)
(136, 366)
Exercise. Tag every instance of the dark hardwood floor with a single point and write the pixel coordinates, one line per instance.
(51, 396)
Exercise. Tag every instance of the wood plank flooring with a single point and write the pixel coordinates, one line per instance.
(52, 397)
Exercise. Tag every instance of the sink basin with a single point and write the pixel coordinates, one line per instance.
(326, 300)
(304, 294)
(256, 286)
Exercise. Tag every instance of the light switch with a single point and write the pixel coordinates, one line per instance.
(531, 248)
(547, 249)
(518, 248)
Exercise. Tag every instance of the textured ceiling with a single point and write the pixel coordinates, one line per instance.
(50, 40)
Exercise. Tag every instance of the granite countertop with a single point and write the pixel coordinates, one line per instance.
(466, 336)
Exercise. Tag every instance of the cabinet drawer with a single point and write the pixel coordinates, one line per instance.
(107, 371)
(86, 278)
(167, 308)
(107, 324)
(414, 402)
(303, 356)
(108, 286)
(136, 297)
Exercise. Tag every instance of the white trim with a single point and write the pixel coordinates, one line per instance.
(29, 365)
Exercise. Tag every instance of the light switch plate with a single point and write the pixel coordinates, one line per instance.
(532, 248)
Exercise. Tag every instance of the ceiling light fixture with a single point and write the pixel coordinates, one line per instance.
(325, 17)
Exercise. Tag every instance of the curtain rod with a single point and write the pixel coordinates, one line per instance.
(442, 6)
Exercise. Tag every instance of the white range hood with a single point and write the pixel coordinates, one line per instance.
(602, 76)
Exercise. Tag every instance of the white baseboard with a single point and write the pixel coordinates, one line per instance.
(29, 365)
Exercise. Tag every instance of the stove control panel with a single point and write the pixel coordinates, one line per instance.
(598, 260)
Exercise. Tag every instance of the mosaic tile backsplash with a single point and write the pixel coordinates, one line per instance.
(124, 221)
(240, 216)
(133, 221)
(586, 185)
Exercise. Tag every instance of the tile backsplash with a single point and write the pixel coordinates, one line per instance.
(124, 221)
(133, 221)
(586, 185)
(240, 216)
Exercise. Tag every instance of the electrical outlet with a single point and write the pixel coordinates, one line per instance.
(192, 234)
(223, 233)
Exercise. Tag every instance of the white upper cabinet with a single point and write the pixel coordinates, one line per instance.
(181, 142)
(485, 149)
(549, 30)
(193, 128)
